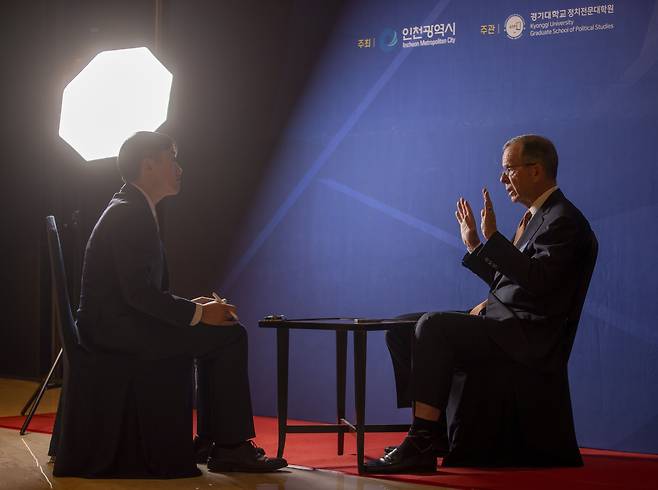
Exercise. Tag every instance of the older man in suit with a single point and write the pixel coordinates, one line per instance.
(126, 307)
(532, 280)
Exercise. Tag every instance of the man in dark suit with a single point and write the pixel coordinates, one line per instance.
(532, 280)
(126, 307)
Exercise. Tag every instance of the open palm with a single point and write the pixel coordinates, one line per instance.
(467, 226)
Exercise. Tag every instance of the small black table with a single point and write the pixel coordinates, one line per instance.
(360, 328)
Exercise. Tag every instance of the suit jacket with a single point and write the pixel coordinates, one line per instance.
(532, 287)
(124, 292)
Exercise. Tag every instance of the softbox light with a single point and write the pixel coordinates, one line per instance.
(117, 93)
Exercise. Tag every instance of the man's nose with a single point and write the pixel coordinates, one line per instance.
(503, 177)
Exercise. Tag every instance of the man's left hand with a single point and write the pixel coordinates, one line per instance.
(487, 215)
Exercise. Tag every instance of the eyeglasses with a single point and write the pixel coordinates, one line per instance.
(507, 170)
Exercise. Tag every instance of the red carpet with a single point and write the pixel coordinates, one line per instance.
(609, 470)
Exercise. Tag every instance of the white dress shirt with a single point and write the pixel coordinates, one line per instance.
(539, 202)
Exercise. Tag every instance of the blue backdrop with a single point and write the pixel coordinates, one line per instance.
(407, 109)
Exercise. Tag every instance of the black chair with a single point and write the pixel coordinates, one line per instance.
(119, 417)
(515, 416)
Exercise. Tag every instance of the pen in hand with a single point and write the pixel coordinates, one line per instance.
(223, 301)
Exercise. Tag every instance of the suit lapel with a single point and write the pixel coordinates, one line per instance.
(134, 195)
(538, 219)
(531, 230)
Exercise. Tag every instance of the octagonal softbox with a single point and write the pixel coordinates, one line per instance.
(118, 93)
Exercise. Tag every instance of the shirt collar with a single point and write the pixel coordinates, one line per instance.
(539, 202)
(150, 203)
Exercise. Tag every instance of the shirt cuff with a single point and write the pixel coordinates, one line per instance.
(476, 250)
(198, 312)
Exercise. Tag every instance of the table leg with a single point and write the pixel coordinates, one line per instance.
(360, 343)
(282, 341)
(341, 362)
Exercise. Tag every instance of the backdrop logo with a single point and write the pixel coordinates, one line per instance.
(388, 40)
(514, 26)
(413, 36)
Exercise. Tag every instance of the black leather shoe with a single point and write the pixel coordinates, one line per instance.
(440, 446)
(202, 449)
(414, 455)
(246, 458)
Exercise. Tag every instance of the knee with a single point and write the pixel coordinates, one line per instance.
(236, 335)
(430, 325)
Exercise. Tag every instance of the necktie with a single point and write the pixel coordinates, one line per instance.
(517, 236)
(522, 226)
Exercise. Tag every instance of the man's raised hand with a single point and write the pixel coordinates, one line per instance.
(487, 216)
(467, 227)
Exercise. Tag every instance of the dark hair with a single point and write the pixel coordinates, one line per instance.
(537, 149)
(140, 145)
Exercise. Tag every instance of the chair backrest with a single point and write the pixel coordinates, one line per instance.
(68, 331)
(573, 317)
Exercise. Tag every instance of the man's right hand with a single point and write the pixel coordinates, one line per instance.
(218, 314)
(467, 227)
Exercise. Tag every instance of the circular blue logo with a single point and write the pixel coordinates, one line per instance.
(387, 40)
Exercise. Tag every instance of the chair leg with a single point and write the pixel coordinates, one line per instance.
(341, 361)
(360, 343)
(30, 401)
(42, 390)
(282, 342)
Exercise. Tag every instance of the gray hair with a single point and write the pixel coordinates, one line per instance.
(537, 149)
